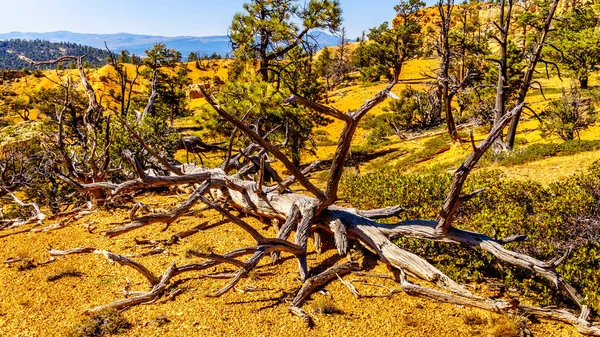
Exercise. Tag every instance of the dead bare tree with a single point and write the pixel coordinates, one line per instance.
(91, 161)
(124, 81)
(444, 78)
(305, 214)
(534, 56)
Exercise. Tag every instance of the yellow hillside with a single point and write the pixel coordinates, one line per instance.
(32, 305)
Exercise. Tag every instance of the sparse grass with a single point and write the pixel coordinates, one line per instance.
(201, 247)
(541, 151)
(105, 323)
(159, 321)
(473, 318)
(410, 320)
(63, 274)
(430, 148)
(513, 326)
(25, 263)
(324, 141)
(324, 305)
(253, 275)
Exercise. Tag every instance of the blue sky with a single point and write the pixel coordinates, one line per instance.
(159, 17)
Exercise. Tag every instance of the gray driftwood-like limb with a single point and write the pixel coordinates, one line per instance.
(417, 290)
(153, 251)
(340, 235)
(144, 182)
(50, 62)
(122, 260)
(308, 213)
(286, 230)
(37, 217)
(149, 297)
(453, 198)
(326, 110)
(350, 287)
(580, 323)
(151, 99)
(79, 250)
(137, 206)
(217, 257)
(184, 234)
(344, 144)
(317, 242)
(422, 229)
(246, 267)
(382, 213)
(161, 218)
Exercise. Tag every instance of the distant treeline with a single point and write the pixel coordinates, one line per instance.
(40, 50)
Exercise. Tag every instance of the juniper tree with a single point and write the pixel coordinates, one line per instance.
(267, 30)
(171, 81)
(390, 47)
(577, 43)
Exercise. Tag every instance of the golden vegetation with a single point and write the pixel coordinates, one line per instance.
(31, 306)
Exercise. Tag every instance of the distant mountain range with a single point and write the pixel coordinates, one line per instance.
(138, 43)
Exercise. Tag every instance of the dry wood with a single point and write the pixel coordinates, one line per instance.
(149, 297)
(79, 250)
(162, 218)
(37, 217)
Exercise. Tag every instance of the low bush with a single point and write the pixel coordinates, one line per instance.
(570, 114)
(324, 305)
(539, 151)
(557, 218)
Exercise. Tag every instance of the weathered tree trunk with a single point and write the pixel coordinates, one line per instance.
(445, 10)
(528, 76)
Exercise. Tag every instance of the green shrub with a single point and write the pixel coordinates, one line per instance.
(430, 148)
(412, 110)
(570, 114)
(559, 217)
